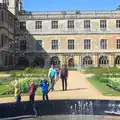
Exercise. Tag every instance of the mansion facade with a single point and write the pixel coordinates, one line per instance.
(74, 38)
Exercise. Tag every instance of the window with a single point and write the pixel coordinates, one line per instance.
(71, 24)
(54, 44)
(5, 41)
(38, 24)
(11, 22)
(6, 17)
(5, 60)
(70, 44)
(117, 23)
(23, 25)
(87, 44)
(86, 23)
(2, 39)
(17, 4)
(118, 43)
(10, 60)
(87, 60)
(2, 16)
(38, 44)
(6, 2)
(103, 24)
(103, 60)
(23, 45)
(117, 60)
(103, 44)
(54, 24)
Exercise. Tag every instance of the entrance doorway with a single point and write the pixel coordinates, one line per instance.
(71, 62)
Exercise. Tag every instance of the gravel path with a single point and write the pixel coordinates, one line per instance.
(78, 88)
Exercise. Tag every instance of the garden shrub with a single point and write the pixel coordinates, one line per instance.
(114, 83)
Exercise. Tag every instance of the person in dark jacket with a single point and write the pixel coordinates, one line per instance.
(64, 76)
(32, 90)
(45, 85)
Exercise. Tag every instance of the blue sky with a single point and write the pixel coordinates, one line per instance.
(57, 5)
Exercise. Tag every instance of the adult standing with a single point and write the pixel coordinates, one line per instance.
(64, 76)
(52, 77)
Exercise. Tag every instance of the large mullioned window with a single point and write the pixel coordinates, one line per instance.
(6, 2)
(103, 25)
(54, 24)
(54, 44)
(87, 24)
(70, 44)
(23, 25)
(103, 44)
(117, 23)
(38, 24)
(38, 44)
(23, 45)
(118, 43)
(70, 23)
(87, 44)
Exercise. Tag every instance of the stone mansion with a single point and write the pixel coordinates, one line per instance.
(75, 38)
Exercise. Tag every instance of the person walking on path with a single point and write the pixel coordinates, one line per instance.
(45, 85)
(32, 90)
(52, 77)
(64, 77)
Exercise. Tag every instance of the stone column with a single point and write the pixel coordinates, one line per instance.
(61, 59)
(76, 60)
(80, 60)
(95, 60)
(111, 59)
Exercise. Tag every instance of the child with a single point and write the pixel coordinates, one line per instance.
(32, 90)
(44, 84)
(17, 93)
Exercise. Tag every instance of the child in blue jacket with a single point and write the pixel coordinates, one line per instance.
(45, 85)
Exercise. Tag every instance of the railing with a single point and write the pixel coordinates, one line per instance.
(91, 12)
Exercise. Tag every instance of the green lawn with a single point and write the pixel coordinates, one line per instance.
(100, 79)
(102, 70)
(103, 87)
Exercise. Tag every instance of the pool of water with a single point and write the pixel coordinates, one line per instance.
(74, 117)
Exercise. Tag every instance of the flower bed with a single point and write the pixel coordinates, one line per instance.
(21, 77)
(114, 83)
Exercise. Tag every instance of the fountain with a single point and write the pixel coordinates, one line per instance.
(61, 110)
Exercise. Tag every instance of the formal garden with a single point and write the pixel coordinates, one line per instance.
(22, 77)
(106, 80)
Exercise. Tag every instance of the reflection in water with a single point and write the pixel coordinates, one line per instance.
(74, 117)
